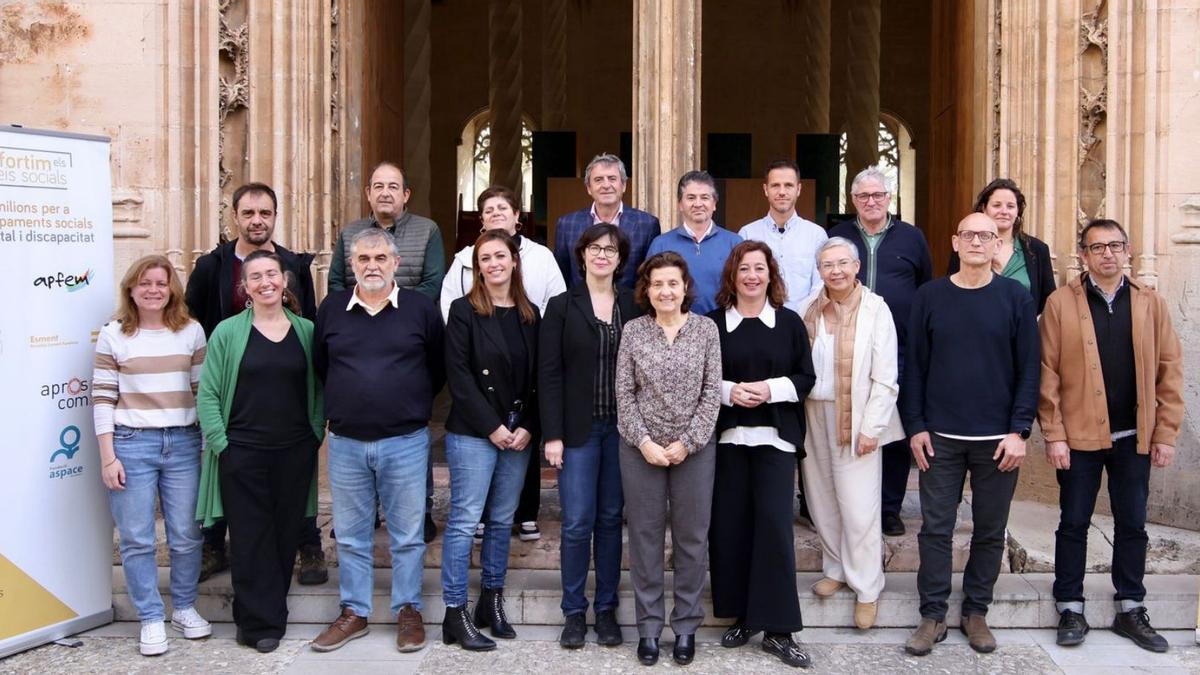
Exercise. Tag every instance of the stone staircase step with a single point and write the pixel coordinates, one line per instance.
(533, 596)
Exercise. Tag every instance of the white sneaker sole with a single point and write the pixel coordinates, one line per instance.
(193, 632)
(153, 648)
(529, 536)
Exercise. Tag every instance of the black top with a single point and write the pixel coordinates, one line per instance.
(1037, 264)
(380, 372)
(270, 401)
(568, 352)
(974, 360)
(1114, 341)
(209, 294)
(753, 352)
(604, 383)
(481, 372)
(514, 345)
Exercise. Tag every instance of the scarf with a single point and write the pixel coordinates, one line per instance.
(840, 319)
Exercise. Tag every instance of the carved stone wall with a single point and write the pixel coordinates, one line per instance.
(1093, 109)
(233, 39)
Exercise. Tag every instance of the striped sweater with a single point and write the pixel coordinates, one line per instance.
(147, 380)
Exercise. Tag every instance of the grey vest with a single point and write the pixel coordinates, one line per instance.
(412, 233)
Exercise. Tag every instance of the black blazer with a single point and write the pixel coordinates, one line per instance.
(1037, 264)
(567, 362)
(209, 294)
(480, 375)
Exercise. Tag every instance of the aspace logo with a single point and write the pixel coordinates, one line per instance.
(68, 395)
(71, 282)
(68, 445)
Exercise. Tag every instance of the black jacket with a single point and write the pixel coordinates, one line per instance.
(479, 372)
(1037, 264)
(209, 292)
(567, 362)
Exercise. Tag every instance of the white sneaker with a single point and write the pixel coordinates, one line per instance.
(479, 534)
(190, 623)
(528, 531)
(154, 639)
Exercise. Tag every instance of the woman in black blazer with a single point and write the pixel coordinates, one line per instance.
(491, 358)
(1022, 257)
(576, 372)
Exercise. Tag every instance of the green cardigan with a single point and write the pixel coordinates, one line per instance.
(218, 380)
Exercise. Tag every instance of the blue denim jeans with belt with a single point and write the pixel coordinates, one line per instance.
(161, 465)
(589, 490)
(480, 474)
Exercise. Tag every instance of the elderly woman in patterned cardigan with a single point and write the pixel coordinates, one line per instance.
(668, 396)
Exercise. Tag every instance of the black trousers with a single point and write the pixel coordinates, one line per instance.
(310, 534)
(897, 462)
(991, 495)
(530, 501)
(264, 493)
(751, 547)
(1128, 491)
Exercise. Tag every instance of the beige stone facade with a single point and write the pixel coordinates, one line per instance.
(1089, 105)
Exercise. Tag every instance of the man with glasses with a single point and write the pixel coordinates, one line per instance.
(895, 262)
(967, 399)
(1111, 401)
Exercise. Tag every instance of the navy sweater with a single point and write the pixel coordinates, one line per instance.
(380, 372)
(974, 360)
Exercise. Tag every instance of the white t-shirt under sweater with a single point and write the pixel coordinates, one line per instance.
(147, 380)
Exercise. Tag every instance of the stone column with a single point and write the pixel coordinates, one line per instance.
(813, 26)
(417, 97)
(862, 88)
(554, 65)
(505, 102)
(666, 101)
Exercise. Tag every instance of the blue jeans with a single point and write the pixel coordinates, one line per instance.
(162, 463)
(392, 471)
(480, 475)
(589, 489)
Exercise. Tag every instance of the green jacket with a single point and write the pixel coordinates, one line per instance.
(214, 399)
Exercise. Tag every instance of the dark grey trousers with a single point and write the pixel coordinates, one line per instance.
(681, 493)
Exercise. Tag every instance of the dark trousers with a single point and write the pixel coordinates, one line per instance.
(264, 493)
(1128, 490)
(751, 547)
(897, 462)
(589, 489)
(530, 501)
(310, 534)
(991, 495)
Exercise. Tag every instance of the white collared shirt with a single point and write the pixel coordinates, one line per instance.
(688, 230)
(794, 249)
(596, 220)
(782, 391)
(392, 299)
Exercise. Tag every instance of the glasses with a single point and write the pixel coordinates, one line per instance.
(971, 235)
(830, 265)
(866, 197)
(596, 250)
(1114, 246)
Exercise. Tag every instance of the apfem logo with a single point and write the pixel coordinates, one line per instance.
(71, 282)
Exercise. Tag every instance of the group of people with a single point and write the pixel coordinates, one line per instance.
(676, 379)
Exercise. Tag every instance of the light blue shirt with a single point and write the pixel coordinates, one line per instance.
(795, 251)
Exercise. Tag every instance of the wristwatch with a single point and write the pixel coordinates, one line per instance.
(1024, 433)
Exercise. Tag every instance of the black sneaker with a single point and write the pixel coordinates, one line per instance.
(892, 525)
(782, 645)
(608, 633)
(574, 632)
(1072, 626)
(1135, 625)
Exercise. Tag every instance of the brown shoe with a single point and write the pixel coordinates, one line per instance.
(410, 630)
(979, 636)
(927, 634)
(343, 629)
(826, 587)
(864, 614)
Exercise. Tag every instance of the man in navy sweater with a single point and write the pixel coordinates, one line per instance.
(378, 349)
(968, 400)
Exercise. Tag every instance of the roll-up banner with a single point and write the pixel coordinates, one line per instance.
(56, 279)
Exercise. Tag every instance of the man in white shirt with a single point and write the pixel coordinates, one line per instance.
(793, 240)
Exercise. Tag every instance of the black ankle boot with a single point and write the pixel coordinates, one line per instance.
(490, 613)
(457, 627)
(647, 651)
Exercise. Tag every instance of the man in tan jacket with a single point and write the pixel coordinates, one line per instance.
(1111, 400)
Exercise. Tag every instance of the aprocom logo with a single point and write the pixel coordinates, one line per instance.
(71, 282)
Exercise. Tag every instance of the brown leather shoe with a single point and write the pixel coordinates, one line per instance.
(979, 636)
(927, 634)
(410, 630)
(826, 587)
(343, 629)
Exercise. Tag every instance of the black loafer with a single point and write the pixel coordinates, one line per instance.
(892, 525)
(1072, 627)
(786, 649)
(737, 635)
(647, 651)
(684, 650)
(266, 645)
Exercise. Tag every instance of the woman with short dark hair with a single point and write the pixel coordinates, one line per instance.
(668, 395)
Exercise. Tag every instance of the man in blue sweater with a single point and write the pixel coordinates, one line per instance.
(968, 400)
(378, 349)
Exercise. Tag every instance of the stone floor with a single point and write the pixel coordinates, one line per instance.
(113, 649)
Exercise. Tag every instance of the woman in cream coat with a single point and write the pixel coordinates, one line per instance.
(851, 412)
